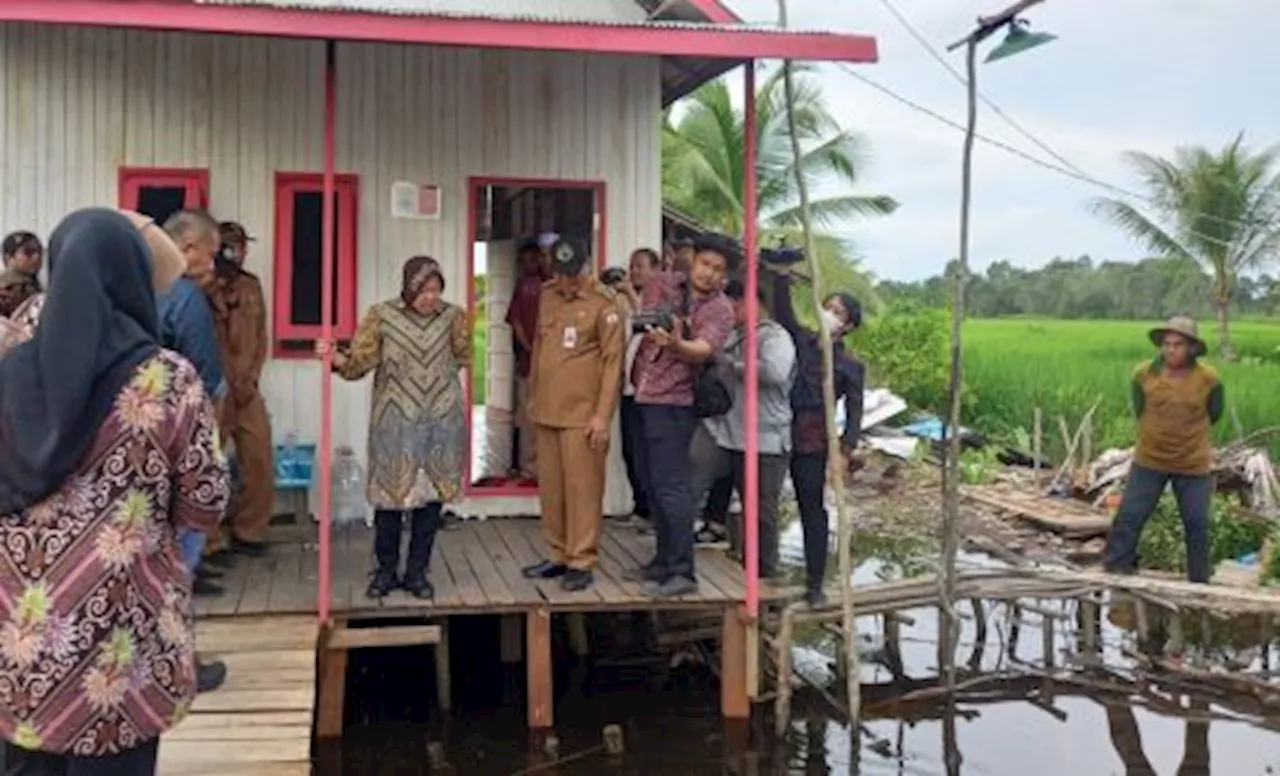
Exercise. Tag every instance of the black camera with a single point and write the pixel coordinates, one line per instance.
(783, 255)
(613, 276)
(653, 319)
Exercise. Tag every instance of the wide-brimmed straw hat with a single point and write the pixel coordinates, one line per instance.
(1184, 326)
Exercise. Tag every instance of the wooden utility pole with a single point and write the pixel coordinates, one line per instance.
(949, 633)
(835, 457)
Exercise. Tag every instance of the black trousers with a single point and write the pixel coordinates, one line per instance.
(668, 430)
(388, 525)
(635, 456)
(139, 761)
(809, 478)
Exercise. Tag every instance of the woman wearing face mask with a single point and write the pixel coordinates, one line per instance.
(418, 343)
(840, 314)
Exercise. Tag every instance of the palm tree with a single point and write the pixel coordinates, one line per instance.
(702, 171)
(1220, 210)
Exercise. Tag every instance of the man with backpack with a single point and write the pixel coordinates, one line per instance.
(688, 323)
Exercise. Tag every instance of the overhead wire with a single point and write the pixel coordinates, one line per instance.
(937, 56)
(1021, 154)
(1080, 173)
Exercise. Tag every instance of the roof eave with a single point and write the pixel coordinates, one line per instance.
(709, 43)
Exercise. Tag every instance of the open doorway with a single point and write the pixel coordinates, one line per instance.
(507, 215)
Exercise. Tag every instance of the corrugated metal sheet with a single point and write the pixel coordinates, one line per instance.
(554, 11)
(599, 11)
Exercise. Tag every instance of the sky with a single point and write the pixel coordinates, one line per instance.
(1149, 75)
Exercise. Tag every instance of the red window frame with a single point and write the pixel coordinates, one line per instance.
(288, 184)
(133, 179)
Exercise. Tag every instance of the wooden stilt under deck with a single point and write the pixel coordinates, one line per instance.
(476, 571)
(734, 700)
(259, 722)
(541, 681)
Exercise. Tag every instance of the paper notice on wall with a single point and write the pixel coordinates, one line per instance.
(411, 200)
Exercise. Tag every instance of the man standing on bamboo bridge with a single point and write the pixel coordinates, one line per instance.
(575, 378)
(1177, 400)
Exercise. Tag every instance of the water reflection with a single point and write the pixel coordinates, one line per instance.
(1089, 718)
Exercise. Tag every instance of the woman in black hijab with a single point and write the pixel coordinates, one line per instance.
(108, 450)
(56, 389)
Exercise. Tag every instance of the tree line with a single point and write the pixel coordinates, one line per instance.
(1152, 289)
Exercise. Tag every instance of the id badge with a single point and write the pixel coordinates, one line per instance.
(570, 337)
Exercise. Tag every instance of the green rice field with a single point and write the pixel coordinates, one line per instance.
(1063, 367)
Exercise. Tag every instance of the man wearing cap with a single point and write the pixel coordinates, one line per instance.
(522, 317)
(240, 321)
(576, 374)
(1177, 401)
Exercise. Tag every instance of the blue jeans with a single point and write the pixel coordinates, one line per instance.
(1142, 492)
(668, 430)
(192, 544)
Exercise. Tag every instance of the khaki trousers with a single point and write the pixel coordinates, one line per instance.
(571, 492)
(249, 515)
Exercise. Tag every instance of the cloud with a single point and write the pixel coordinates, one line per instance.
(1149, 75)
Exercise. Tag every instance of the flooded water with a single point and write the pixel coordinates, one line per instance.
(670, 722)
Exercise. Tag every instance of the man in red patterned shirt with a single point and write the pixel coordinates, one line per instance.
(665, 369)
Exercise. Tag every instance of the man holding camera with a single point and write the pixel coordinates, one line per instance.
(687, 320)
(575, 376)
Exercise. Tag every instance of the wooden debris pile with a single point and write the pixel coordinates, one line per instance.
(1240, 469)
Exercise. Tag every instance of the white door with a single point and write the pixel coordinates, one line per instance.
(500, 360)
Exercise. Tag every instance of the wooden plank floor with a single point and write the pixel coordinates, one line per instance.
(259, 722)
(475, 569)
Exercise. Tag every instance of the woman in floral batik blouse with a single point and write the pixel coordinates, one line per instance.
(108, 447)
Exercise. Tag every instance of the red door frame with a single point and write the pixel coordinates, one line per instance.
(601, 250)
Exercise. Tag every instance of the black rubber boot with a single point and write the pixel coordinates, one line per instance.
(424, 525)
(386, 548)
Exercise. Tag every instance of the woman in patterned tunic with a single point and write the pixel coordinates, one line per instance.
(108, 448)
(418, 343)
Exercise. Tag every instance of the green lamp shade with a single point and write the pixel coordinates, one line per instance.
(1017, 41)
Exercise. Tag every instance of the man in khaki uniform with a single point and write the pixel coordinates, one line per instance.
(240, 322)
(575, 378)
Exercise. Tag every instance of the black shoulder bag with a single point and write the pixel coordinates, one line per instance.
(711, 397)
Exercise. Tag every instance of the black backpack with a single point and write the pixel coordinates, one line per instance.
(711, 396)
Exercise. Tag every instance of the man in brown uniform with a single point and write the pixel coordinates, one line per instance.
(240, 319)
(577, 370)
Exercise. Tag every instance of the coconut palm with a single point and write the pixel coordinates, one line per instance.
(702, 172)
(1220, 210)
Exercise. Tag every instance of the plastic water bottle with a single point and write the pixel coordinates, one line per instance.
(347, 488)
(290, 458)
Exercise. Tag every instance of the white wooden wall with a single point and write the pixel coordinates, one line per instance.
(78, 103)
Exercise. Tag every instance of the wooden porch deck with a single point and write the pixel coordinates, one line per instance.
(475, 570)
(259, 722)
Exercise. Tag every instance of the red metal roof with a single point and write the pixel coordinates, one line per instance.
(698, 40)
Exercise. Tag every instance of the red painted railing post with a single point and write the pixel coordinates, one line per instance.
(325, 447)
(751, 486)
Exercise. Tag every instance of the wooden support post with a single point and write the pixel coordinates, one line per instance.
(333, 691)
(893, 646)
(1143, 623)
(444, 670)
(539, 672)
(1046, 630)
(579, 642)
(511, 641)
(734, 700)
(753, 660)
(1089, 625)
(782, 703)
(1037, 445)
